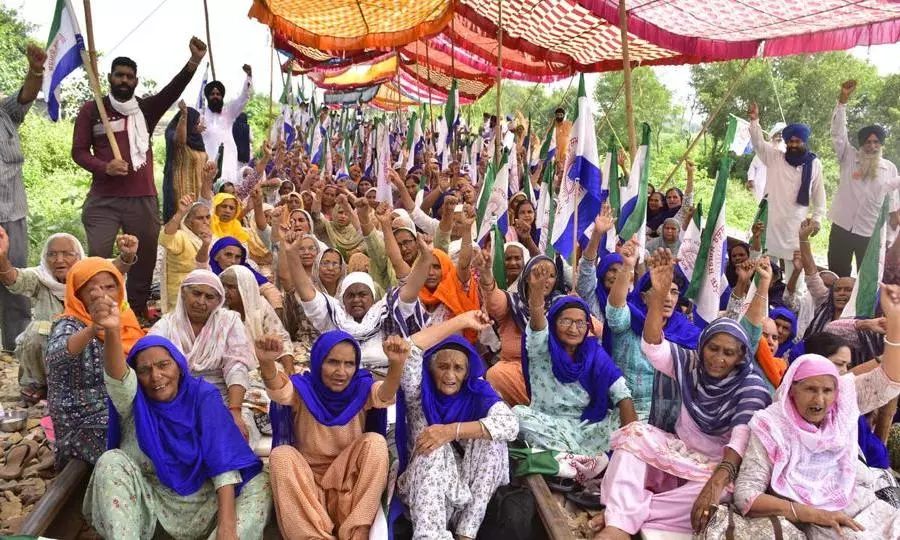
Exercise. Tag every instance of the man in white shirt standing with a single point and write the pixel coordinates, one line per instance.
(219, 121)
(866, 179)
(756, 174)
(793, 182)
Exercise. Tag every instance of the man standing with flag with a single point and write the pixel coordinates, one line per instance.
(794, 181)
(16, 310)
(123, 194)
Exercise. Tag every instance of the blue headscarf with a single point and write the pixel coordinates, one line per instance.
(189, 439)
(471, 403)
(603, 295)
(223, 243)
(328, 407)
(802, 132)
(718, 405)
(591, 367)
(789, 316)
(678, 329)
(872, 447)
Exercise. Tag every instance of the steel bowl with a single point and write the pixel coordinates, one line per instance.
(13, 421)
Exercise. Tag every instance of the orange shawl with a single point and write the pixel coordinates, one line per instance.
(79, 275)
(773, 367)
(450, 291)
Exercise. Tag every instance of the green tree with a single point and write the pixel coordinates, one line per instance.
(14, 33)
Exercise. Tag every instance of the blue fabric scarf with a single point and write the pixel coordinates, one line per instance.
(191, 438)
(328, 407)
(789, 316)
(678, 329)
(718, 405)
(473, 401)
(603, 295)
(806, 160)
(872, 447)
(591, 367)
(223, 243)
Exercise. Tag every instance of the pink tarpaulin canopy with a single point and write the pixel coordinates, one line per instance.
(733, 29)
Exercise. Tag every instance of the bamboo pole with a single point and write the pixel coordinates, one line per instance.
(271, 79)
(212, 65)
(89, 59)
(89, 27)
(626, 71)
(497, 129)
(709, 121)
(101, 108)
(430, 112)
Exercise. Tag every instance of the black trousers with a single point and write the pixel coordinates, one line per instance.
(842, 246)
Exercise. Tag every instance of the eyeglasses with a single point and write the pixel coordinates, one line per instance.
(61, 255)
(567, 323)
(406, 243)
(329, 264)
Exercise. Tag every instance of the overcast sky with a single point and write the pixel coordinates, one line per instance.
(159, 44)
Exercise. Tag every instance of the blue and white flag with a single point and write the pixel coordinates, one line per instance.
(633, 214)
(318, 143)
(581, 185)
(493, 201)
(414, 141)
(64, 48)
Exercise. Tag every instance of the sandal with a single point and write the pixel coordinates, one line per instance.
(45, 456)
(17, 458)
(560, 484)
(585, 499)
(33, 394)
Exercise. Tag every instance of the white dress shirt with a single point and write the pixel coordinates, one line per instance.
(858, 200)
(782, 184)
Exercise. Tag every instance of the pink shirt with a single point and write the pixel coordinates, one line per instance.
(710, 445)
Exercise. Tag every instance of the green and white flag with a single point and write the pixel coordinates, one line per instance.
(494, 197)
(636, 221)
(546, 210)
(690, 242)
(737, 138)
(498, 265)
(762, 216)
(865, 290)
(610, 178)
(708, 278)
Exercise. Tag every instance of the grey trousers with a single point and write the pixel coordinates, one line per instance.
(15, 310)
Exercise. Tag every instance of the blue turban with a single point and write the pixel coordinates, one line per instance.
(801, 131)
(867, 131)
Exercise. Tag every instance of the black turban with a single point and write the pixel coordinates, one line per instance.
(865, 132)
(213, 85)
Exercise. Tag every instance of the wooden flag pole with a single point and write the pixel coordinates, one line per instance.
(89, 60)
(497, 128)
(626, 71)
(709, 121)
(271, 78)
(101, 108)
(212, 65)
(89, 27)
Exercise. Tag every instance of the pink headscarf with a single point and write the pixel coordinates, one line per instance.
(812, 465)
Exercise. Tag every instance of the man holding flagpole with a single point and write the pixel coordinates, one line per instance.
(123, 194)
(16, 310)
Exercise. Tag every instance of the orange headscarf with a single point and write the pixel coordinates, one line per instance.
(79, 275)
(450, 291)
(773, 367)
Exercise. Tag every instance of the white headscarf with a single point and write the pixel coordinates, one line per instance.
(138, 137)
(45, 273)
(526, 256)
(222, 342)
(371, 324)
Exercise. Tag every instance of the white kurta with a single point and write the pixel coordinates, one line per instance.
(757, 174)
(782, 183)
(218, 131)
(859, 198)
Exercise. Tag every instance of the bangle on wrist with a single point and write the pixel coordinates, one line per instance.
(36, 73)
(891, 343)
(126, 263)
(233, 408)
(458, 424)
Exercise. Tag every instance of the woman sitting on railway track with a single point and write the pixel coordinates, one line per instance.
(668, 482)
(801, 462)
(452, 430)
(328, 476)
(176, 458)
(75, 391)
(213, 339)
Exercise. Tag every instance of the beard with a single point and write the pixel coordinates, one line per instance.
(559, 119)
(794, 151)
(122, 92)
(215, 105)
(869, 162)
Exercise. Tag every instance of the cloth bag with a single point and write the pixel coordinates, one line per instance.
(726, 524)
